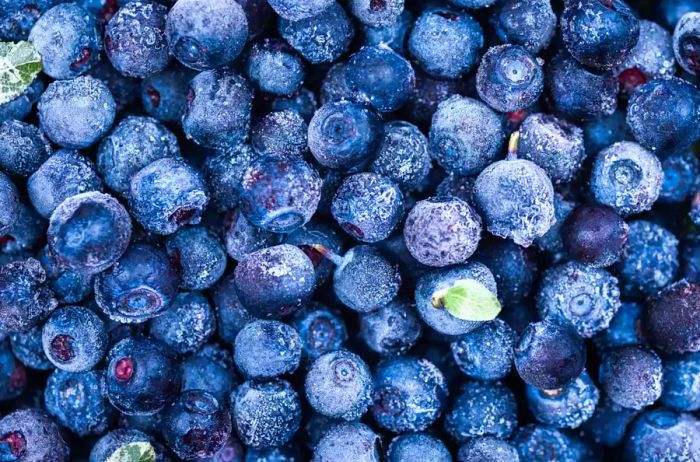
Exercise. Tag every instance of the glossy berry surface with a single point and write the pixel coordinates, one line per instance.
(595, 235)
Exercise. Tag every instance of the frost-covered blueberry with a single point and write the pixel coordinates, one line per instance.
(353, 439)
(566, 407)
(281, 133)
(25, 299)
(392, 329)
(265, 349)
(631, 376)
(651, 57)
(74, 338)
(485, 353)
(224, 170)
(529, 23)
(31, 435)
(403, 156)
(9, 203)
(274, 67)
(686, 42)
(199, 256)
(23, 147)
(187, 324)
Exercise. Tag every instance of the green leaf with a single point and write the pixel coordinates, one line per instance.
(470, 300)
(140, 451)
(20, 63)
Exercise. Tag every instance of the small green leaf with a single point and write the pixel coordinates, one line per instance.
(470, 300)
(20, 63)
(140, 451)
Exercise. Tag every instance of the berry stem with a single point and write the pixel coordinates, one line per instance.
(513, 145)
(336, 259)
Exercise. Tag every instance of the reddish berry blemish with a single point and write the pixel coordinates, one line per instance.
(630, 79)
(16, 441)
(62, 348)
(153, 96)
(124, 369)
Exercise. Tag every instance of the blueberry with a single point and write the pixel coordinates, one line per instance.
(391, 330)
(23, 148)
(320, 38)
(141, 285)
(241, 237)
(124, 89)
(116, 441)
(486, 353)
(303, 103)
(354, 441)
(211, 369)
(686, 42)
(516, 199)
(294, 10)
(465, 135)
(21, 105)
(409, 394)
(481, 409)
(513, 267)
(196, 425)
(279, 194)
(601, 133)
(417, 446)
(273, 67)
(393, 34)
(627, 178)
(76, 400)
(487, 449)
(27, 348)
(681, 177)
(199, 255)
(670, 320)
(594, 235)
(88, 232)
(681, 382)
(321, 330)
(30, 434)
(690, 258)
(266, 414)
(18, 17)
(312, 234)
(231, 315)
(76, 113)
(224, 170)
(13, 375)
(536, 443)
(186, 325)
(135, 40)
(26, 235)
(280, 133)
(624, 328)
(142, 376)
(345, 135)
(339, 385)
(651, 57)
(25, 300)
(549, 355)
(218, 108)
(663, 115)
(275, 281)
(9, 203)
(608, 424)
(74, 338)
(403, 156)
(66, 36)
(437, 280)
(167, 194)
(569, 406)
(206, 34)
(445, 42)
(164, 95)
(631, 376)
(265, 349)
(529, 23)
(133, 144)
(665, 434)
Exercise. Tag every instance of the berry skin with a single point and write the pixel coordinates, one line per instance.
(536, 443)
(442, 231)
(218, 108)
(141, 285)
(608, 424)
(211, 369)
(321, 330)
(377, 13)
(594, 235)
(9, 203)
(273, 67)
(339, 385)
(403, 156)
(487, 449)
(601, 133)
(651, 58)
(312, 234)
(681, 383)
(321, 38)
(164, 95)
(624, 328)
(670, 319)
(445, 42)
(417, 446)
(27, 348)
(409, 394)
(197, 425)
(516, 199)
(275, 281)
(664, 115)
(513, 267)
(631, 376)
(345, 135)
(391, 330)
(266, 349)
(567, 407)
(75, 399)
(13, 375)
(23, 147)
(66, 36)
(465, 135)
(529, 23)
(686, 42)
(661, 434)
(627, 178)
(133, 144)
(24, 298)
(393, 35)
(279, 194)
(89, 232)
(206, 34)
(74, 338)
(76, 113)
(266, 414)
(280, 133)
(549, 355)
(231, 315)
(481, 409)
(241, 237)
(142, 376)
(553, 144)
(19, 16)
(681, 177)
(31, 435)
(224, 170)
(485, 353)
(437, 280)
(168, 194)
(348, 441)
(294, 10)
(135, 39)
(509, 78)
(186, 325)
(199, 256)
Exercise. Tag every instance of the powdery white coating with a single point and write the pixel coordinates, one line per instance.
(442, 231)
(348, 442)
(339, 385)
(376, 12)
(187, 324)
(76, 113)
(23, 147)
(653, 53)
(274, 67)
(627, 178)
(241, 237)
(9, 203)
(87, 334)
(403, 156)
(44, 442)
(267, 349)
(281, 133)
(567, 407)
(485, 353)
(539, 443)
(27, 348)
(393, 329)
(661, 435)
(553, 144)
(25, 300)
(530, 23)
(516, 199)
(685, 42)
(135, 39)
(439, 318)
(322, 38)
(134, 143)
(631, 376)
(224, 171)
(585, 297)
(417, 446)
(294, 10)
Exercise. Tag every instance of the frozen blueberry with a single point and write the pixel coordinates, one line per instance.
(76, 113)
(13, 374)
(18, 17)
(686, 42)
(481, 409)
(224, 170)
(566, 407)
(241, 237)
(529, 23)
(608, 424)
(681, 382)
(624, 329)
(681, 177)
(231, 315)
(74, 338)
(273, 67)
(662, 433)
(141, 285)
(594, 235)
(631, 376)
(487, 449)
(199, 255)
(280, 133)
(31, 435)
(321, 330)
(354, 440)
(513, 267)
(27, 348)
(265, 349)
(312, 234)
(403, 156)
(25, 300)
(164, 95)
(651, 57)
(23, 148)
(339, 385)
(21, 105)
(303, 103)
(601, 133)
(486, 353)
(416, 447)
(9, 203)
(542, 444)
(210, 369)
(670, 319)
(26, 235)
(393, 34)
(187, 324)
(391, 330)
